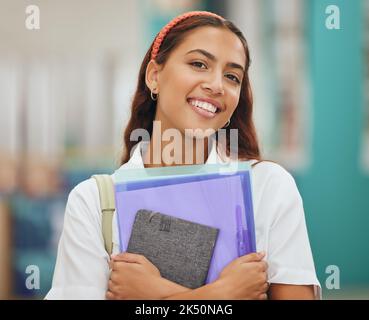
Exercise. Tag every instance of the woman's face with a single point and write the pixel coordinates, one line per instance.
(199, 85)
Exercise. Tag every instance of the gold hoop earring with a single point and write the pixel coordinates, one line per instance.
(154, 96)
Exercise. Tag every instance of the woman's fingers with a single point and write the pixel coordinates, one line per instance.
(111, 289)
(111, 286)
(252, 257)
(266, 287)
(129, 257)
(110, 296)
(264, 265)
(114, 277)
(263, 296)
(120, 267)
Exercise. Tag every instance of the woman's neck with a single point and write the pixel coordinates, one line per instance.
(181, 150)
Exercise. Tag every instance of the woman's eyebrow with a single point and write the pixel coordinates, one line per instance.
(213, 58)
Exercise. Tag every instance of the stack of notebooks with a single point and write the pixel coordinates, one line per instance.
(189, 221)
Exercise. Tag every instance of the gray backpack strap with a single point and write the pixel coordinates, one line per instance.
(107, 202)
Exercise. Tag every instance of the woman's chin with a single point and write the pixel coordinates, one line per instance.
(193, 128)
(199, 132)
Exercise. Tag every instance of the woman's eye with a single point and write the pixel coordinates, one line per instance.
(233, 78)
(201, 65)
(198, 64)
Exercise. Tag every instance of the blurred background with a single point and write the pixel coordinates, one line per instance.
(65, 92)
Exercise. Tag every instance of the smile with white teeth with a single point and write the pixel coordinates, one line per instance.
(204, 105)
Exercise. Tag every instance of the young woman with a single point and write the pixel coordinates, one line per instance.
(194, 76)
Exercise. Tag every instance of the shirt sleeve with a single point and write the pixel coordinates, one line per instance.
(82, 268)
(287, 246)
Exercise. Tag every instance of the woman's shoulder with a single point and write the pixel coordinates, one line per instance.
(269, 168)
(275, 192)
(267, 173)
(84, 189)
(84, 200)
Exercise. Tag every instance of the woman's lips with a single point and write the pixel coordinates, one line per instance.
(202, 112)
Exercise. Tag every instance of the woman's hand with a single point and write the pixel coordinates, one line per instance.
(132, 277)
(135, 277)
(245, 278)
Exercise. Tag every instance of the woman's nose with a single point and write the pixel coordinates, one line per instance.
(214, 84)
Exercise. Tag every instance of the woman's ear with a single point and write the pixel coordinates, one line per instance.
(152, 76)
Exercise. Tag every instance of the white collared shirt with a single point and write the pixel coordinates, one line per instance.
(82, 269)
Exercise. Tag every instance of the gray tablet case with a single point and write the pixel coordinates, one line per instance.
(180, 249)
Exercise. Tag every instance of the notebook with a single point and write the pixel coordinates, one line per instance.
(180, 249)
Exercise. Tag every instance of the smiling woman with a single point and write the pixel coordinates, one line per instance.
(198, 88)
(189, 70)
(194, 76)
(205, 74)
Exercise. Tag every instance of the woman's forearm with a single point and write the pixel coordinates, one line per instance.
(291, 292)
(209, 291)
(169, 288)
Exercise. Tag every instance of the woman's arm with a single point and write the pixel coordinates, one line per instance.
(135, 277)
(244, 278)
(291, 292)
(281, 215)
(81, 270)
(211, 291)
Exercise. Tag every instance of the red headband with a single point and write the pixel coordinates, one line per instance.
(163, 32)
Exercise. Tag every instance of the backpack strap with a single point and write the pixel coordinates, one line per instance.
(107, 202)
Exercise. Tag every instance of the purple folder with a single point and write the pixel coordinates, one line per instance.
(219, 203)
